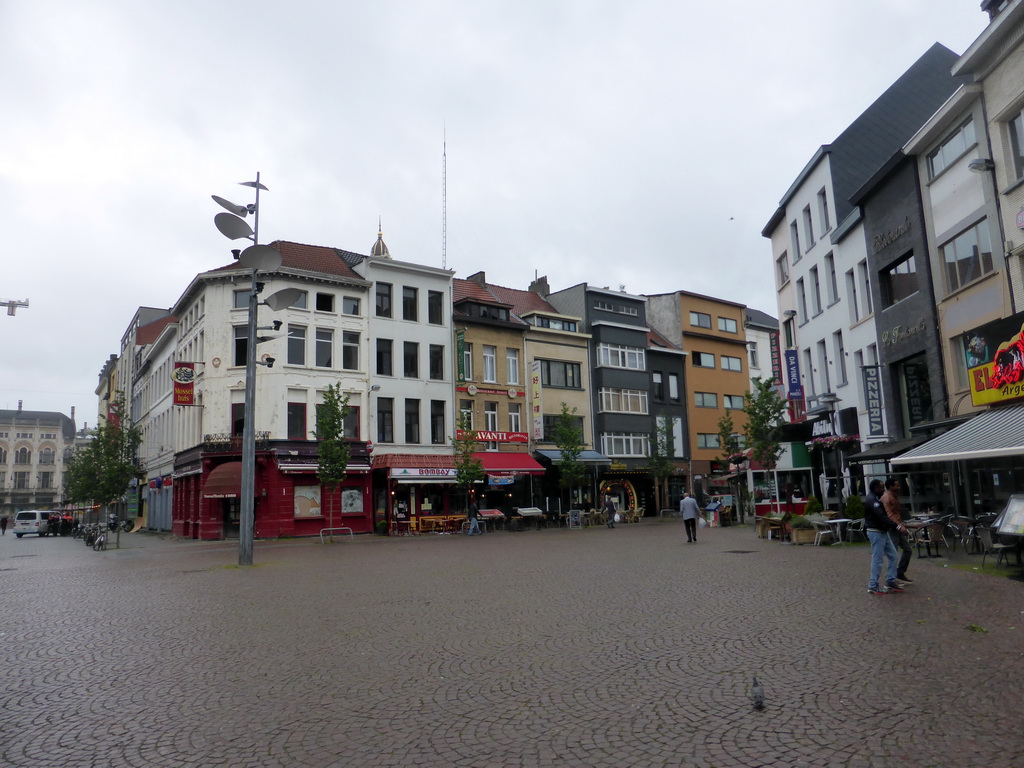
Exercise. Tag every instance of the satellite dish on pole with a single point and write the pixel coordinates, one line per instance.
(232, 227)
(260, 257)
(254, 184)
(283, 298)
(238, 210)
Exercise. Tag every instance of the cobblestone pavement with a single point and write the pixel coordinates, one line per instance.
(592, 647)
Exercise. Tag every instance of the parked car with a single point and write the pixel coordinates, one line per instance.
(32, 521)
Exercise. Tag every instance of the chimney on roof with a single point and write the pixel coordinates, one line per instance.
(19, 405)
(540, 286)
(72, 413)
(479, 278)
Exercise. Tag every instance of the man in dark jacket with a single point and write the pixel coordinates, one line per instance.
(877, 524)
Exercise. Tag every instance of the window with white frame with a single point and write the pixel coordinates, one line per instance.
(324, 347)
(815, 291)
(782, 269)
(673, 386)
(830, 276)
(467, 361)
(801, 299)
(621, 444)
(515, 417)
(296, 344)
(350, 350)
(623, 400)
(950, 150)
(557, 373)
(512, 365)
(967, 257)
(620, 356)
(864, 288)
(490, 363)
(808, 227)
(794, 241)
(1015, 129)
(839, 350)
(823, 217)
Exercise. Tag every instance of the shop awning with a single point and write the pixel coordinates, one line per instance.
(497, 463)
(882, 451)
(997, 432)
(224, 482)
(587, 457)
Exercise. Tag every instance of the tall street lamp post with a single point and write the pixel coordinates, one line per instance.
(257, 258)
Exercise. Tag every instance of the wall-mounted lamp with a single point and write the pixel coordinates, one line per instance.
(375, 388)
(981, 165)
(789, 313)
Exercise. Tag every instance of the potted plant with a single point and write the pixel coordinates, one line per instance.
(801, 530)
(813, 506)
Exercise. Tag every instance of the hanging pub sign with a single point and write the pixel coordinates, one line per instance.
(994, 355)
(873, 400)
(184, 378)
(773, 340)
(793, 389)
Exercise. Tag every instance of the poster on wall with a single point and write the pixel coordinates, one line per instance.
(352, 501)
(307, 500)
(994, 356)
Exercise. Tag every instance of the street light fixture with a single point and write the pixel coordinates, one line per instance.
(257, 258)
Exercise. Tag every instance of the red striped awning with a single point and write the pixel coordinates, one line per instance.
(497, 463)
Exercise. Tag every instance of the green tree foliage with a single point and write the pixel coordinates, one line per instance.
(764, 409)
(333, 450)
(727, 439)
(102, 472)
(659, 463)
(568, 438)
(468, 469)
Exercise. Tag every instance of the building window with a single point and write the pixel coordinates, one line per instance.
(554, 323)
(826, 223)
(435, 304)
(350, 426)
(325, 302)
(623, 400)
(808, 227)
(794, 241)
(436, 362)
(241, 345)
(1016, 130)
(703, 359)
(296, 421)
(350, 305)
(45, 481)
(550, 422)
(411, 360)
(705, 399)
(826, 378)
(23, 456)
(899, 281)
(732, 363)
(967, 257)
(237, 419)
(801, 299)
(385, 420)
(625, 444)
(490, 423)
(659, 386)
(555, 373)
(816, 288)
(21, 481)
(512, 365)
(951, 149)
(607, 306)
(833, 284)
(915, 392)
(410, 303)
(808, 374)
(324, 347)
(673, 387)
(490, 363)
(619, 356)
(437, 421)
(707, 440)
(515, 417)
(466, 412)
(412, 420)
(296, 345)
(700, 320)
(46, 456)
(467, 361)
(727, 324)
(839, 349)
(782, 269)
(734, 402)
(789, 331)
(383, 299)
(241, 299)
(864, 287)
(350, 350)
(385, 361)
(752, 360)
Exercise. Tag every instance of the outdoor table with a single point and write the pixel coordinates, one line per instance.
(838, 523)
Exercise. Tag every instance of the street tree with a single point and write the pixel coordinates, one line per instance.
(659, 463)
(468, 468)
(765, 409)
(333, 449)
(568, 439)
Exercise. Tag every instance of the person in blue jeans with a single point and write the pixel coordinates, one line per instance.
(474, 518)
(877, 524)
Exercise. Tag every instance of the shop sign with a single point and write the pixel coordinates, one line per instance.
(793, 389)
(472, 390)
(495, 437)
(501, 479)
(873, 399)
(423, 472)
(536, 414)
(184, 377)
(919, 400)
(460, 354)
(773, 339)
(995, 361)
(822, 428)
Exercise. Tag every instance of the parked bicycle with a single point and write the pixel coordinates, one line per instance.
(100, 543)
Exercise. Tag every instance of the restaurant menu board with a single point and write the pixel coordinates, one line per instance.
(1011, 521)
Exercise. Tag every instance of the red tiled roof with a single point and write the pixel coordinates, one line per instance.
(655, 339)
(469, 290)
(522, 301)
(150, 332)
(312, 258)
(412, 461)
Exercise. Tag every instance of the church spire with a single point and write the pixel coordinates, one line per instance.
(379, 249)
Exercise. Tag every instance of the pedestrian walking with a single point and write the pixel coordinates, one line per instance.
(689, 510)
(474, 518)
(3, 525)
(877, 524)
(901, 540)
(609, 510)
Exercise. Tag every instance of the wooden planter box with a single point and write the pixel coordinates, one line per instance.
(802, 535)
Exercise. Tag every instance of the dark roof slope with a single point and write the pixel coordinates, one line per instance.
(149, 333)
(312, 258)
(759, 318)
(522, 301)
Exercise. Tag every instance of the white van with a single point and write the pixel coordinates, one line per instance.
(32, 521)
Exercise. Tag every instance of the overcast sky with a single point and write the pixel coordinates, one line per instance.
(641, 143)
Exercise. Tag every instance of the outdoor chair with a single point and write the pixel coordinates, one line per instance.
(822, 531)
(931, 536)
(856, 528)
(991, 547)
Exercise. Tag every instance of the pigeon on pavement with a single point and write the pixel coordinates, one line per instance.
(757, 694)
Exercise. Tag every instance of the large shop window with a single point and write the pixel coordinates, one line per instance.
(915, 392)
(967, 257)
